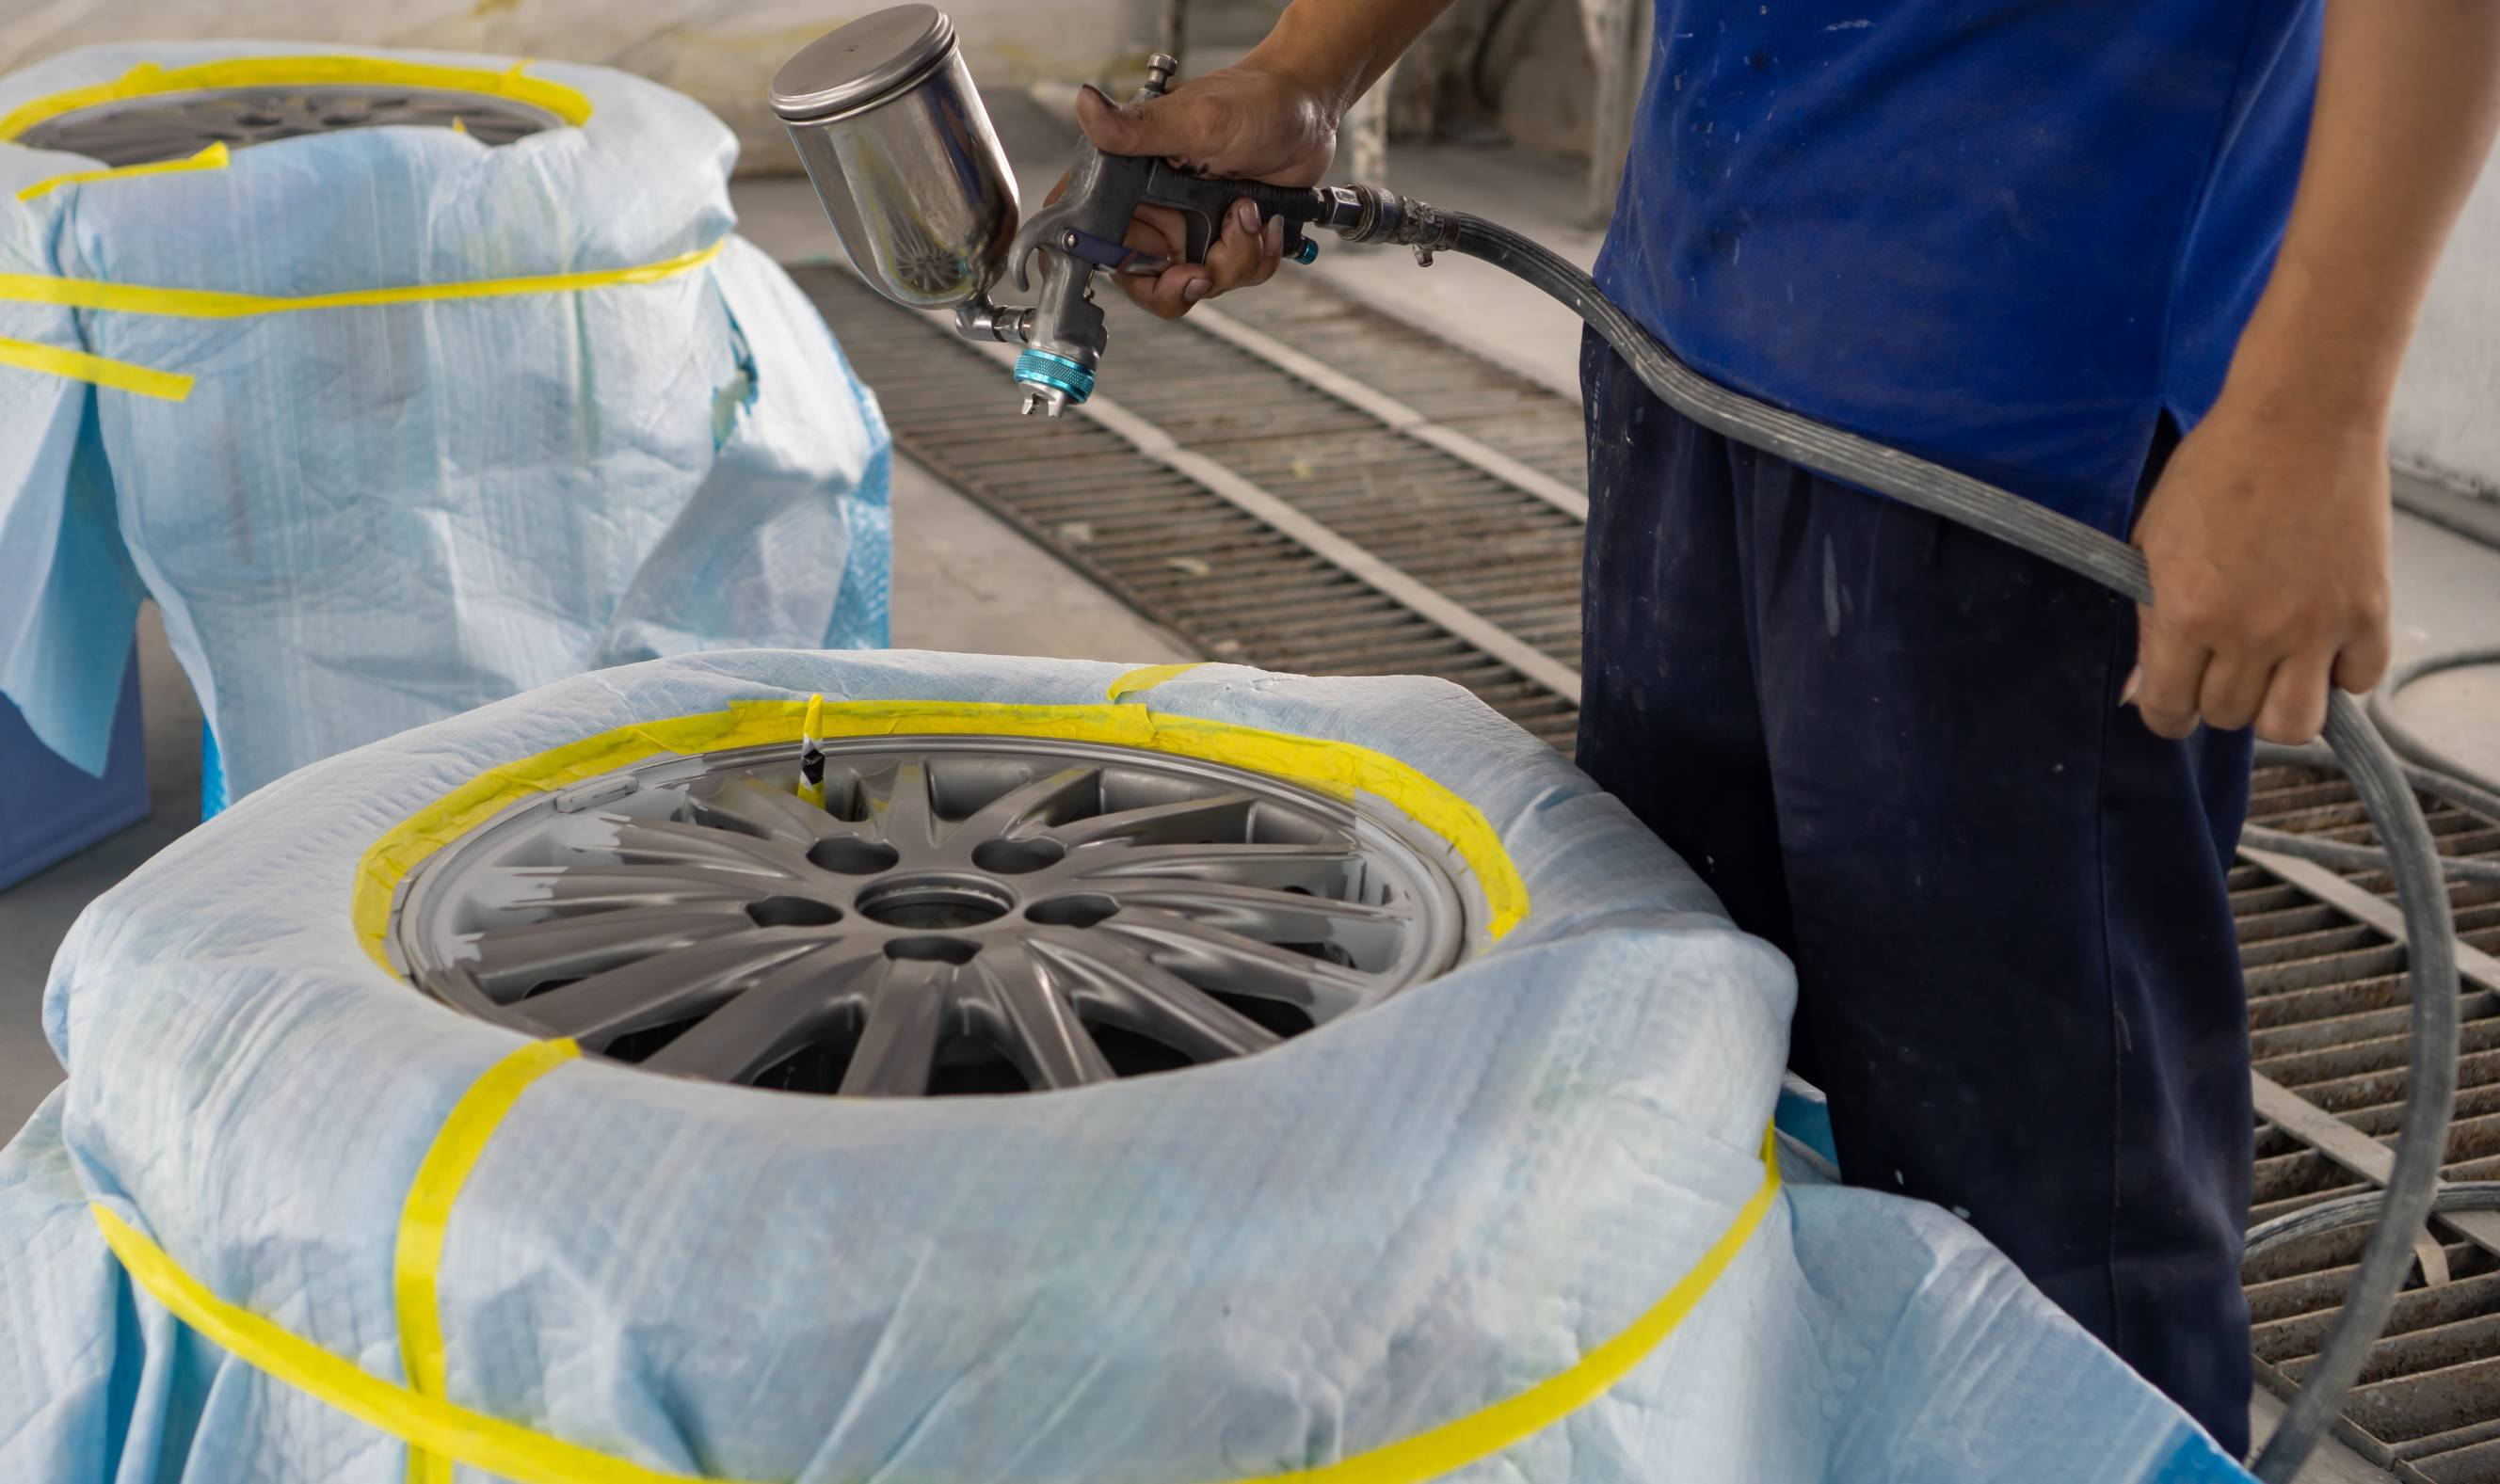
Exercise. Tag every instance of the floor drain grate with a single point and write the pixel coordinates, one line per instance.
(2328, 1013)
(1233, 584)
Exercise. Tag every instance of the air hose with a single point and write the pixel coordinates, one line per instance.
(2430, 771)
(2479, 793)
(2383, 783)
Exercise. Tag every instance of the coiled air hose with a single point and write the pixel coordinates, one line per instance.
(2383, 783)
(2463, 786)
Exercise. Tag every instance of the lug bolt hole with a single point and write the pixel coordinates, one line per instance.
(1016, 857)
(1079, 909)
(793, 911)
(852, 857)
(933, 949)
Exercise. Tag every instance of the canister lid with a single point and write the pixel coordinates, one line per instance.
(863, 63)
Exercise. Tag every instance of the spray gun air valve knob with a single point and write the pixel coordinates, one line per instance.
(1051, 381)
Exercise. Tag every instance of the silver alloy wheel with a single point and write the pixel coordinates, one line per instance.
(965, 915)
(173, 127)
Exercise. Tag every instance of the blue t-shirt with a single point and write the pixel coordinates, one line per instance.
(2006, 234)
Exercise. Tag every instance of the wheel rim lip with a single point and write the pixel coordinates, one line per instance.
(131, 127)
(1443, 915)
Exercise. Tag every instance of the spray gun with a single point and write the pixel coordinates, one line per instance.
(902, 153)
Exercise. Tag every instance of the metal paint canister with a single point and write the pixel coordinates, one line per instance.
(901, 151)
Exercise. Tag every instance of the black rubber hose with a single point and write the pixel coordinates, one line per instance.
(2378, 778)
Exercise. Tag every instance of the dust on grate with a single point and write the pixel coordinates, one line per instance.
(2328, 1013)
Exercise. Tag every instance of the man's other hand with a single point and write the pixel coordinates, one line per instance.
(2267, 538)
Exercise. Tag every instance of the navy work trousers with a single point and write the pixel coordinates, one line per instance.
(1893, 747)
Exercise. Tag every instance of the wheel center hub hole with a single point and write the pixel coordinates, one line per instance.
(934, 903)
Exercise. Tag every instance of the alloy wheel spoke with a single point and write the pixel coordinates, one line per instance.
(908, 1013)
(1221, 817)
(675, 843)
(509, 961)
(751, 806)
(567, 890)
(1244, 965)
(1257, 912)
(899, 809)
(1313, 867)
(788, 1009)
(1131, 991)
(1037, 1026)
(665, 988)
(1050, 799)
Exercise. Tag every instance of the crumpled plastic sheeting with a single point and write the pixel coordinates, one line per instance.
(365, 519)
(1258, 1267)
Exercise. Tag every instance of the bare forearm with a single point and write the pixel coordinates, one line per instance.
(2407, 96)
(1341, 48)
(2267, 534)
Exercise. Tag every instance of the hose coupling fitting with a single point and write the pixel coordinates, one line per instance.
(1368, 214)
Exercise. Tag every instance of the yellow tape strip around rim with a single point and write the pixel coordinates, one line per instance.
(213, 157)
(214, 304)
(1146, 677)
(425, 1219)
(518, 1453)
(489, 1443)
(1338, 770)
(79, 366)
(147, 80)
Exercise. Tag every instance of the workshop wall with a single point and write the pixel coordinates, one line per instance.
(2443, 424)
(721, 53)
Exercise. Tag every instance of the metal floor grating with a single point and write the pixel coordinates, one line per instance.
(1234, 586)
(2328, 1016)
(2322, 950)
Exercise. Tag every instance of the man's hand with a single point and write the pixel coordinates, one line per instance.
(2267, 534)
(1243, 123)
(1272, 117)
(2267, 537)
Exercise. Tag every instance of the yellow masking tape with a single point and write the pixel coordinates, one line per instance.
(489, 1443)
(516, 1453)
(212, 304)
(147, 80)
(1340, 769)
(79, 366)
(1146, 677)
(212, 158)
(426, 1216)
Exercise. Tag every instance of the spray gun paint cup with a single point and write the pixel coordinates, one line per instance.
(901, 154)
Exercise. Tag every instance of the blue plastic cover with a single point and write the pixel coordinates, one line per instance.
(1394, 1223)
(50, 809)
(362, 519)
